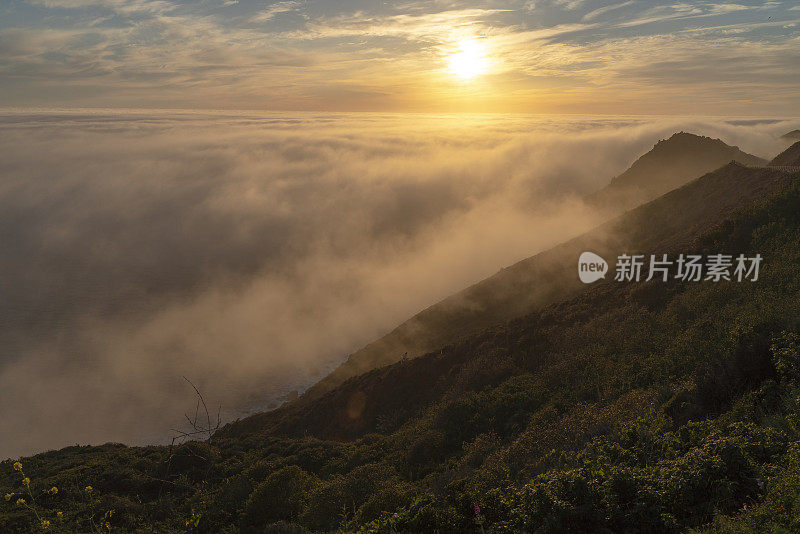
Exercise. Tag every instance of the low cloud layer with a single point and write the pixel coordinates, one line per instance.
(251, 254)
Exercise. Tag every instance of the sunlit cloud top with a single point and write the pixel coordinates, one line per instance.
(579, 56)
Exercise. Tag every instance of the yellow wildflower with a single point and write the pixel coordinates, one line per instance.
(88, 489)
(59, 514)
(9, 496)
(26, 481)
(53, 490)
(20, 501)
(17, 466)
(45, 524)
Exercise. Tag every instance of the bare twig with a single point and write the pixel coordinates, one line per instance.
(197, 429)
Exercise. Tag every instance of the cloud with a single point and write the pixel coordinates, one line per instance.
(251, 253)
(422, 26)
(348, 56)
(605, 9)
(275, 9)
(569, 4)
(123, 7)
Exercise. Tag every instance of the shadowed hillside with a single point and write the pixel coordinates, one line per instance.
(545, 278)
(789, 157)
(791, 136)
(549, 276)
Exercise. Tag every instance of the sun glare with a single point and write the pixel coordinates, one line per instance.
(471, 61)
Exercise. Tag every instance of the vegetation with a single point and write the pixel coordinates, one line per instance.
(789, 157)
(642, 407)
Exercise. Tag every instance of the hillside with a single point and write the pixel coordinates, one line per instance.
(547, 277)
(627, 407)
(791, 136)
(789, 157)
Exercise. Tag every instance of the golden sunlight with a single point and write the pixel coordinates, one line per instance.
(471, 61)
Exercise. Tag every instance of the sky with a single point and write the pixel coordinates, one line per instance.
(511, 56)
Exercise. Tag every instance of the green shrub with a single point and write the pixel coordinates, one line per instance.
(194, 459)
(279, 498)
(786, 355)
(326, 506)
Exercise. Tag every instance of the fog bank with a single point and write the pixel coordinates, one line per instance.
(252, 253)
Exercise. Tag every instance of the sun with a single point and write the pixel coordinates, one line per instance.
(471, 61)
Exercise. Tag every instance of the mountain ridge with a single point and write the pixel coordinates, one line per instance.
(788, 158)
(674, 161)
(794, 134)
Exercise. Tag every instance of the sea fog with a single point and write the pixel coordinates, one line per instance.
(252, 252)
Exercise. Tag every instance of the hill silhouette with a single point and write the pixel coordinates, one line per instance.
(793, 135)
(669, 164)
(547, 277)
(789, 157)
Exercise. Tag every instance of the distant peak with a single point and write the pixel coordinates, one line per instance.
(685, 140)
(688, 135)
(793, 135)
(677, 160)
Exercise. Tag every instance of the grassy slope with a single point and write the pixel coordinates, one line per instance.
(642, 407)
(790, 156)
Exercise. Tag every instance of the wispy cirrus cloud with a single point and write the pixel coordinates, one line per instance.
(424, 26)
(276, 9)
(605, 9)
(125, 7)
